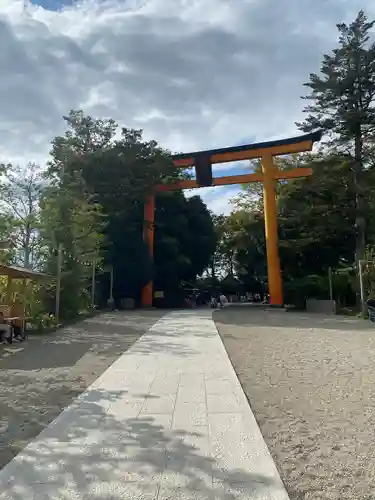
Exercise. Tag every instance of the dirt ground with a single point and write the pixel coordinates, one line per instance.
(310, 381)
(40, 377)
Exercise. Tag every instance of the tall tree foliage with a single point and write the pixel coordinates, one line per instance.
(75, 224)
(240, 248)
(216, 266)
(20, 192)
(343, 105)
(316, 218)
(185, 239)
(71, 217)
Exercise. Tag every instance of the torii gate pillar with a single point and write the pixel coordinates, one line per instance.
(275, 285)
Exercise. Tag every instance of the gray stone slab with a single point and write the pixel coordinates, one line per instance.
(220, 372)
(123, 491)
(163, 386)
(220, 386)
(189, 462)
(145, 424)
(195, 437)
(159, 404)
(191, 395)
(192, 380)
(124, 410)
(222, 403)
(189, 415)
(168, 492)
(148, 466)
(239, 450)
(254, 490)
(187, 478)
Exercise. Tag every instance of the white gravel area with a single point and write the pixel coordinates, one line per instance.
(310, 380)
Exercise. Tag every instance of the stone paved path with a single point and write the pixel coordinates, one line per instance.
(168, 420)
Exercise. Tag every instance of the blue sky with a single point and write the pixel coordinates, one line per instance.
(233, 168)
(225, 169)
(53, 4)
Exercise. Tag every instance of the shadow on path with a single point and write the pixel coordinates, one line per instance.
(88, 453)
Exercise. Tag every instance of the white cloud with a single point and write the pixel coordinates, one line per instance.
(192, 73)
(218, 199)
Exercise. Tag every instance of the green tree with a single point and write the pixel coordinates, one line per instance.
(343, 105)
(76, 224)
(250, 197)
(84, 135)
(70, 214)
(240, 250)
(184, 239)
(216, 264)
(20, 192)
(250, 257)
(316, 218)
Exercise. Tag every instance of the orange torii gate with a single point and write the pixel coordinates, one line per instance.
(203, 160)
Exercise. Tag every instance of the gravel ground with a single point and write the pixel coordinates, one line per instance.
(310, 381)
(42, 376)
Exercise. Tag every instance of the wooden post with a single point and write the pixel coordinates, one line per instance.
(9, 293)
(330, 282)
(24, 291)
(111, 286)
(148, 237)
(362, 288)
(275, 286)
(93, 282)
(58, 281)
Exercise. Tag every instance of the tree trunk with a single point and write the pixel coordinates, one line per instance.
(213, 272)
(360, 202)
(26, 262)
(26, 257)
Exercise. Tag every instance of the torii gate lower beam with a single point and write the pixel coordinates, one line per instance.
(270, 174)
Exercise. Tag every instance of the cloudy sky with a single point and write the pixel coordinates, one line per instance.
(194, 74)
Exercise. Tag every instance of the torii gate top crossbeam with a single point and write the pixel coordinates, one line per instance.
(249, 151)
(203, 160)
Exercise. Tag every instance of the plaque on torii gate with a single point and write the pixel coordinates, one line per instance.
(270, 174)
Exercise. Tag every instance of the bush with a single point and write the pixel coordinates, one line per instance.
(42, 321)
(309, 287)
